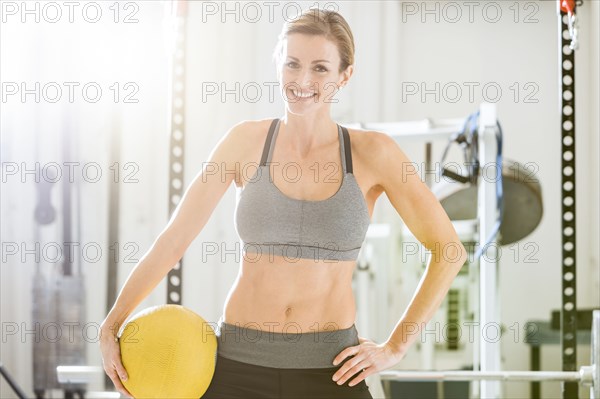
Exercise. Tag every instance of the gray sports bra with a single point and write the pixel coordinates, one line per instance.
(269, 222)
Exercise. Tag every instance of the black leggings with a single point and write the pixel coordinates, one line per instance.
(238, 380)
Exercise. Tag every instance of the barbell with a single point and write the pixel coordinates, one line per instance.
(587, 375)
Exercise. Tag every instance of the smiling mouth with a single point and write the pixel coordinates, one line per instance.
(302, 95)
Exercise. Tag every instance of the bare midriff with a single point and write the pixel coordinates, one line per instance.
(292, 295)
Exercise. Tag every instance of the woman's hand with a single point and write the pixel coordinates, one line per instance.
(368, 358)
(111, 360)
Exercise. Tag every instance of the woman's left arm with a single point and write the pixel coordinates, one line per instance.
(427, 220)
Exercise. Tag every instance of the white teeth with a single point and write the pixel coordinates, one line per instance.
(303, 95)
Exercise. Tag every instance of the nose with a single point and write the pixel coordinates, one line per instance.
(305, 80)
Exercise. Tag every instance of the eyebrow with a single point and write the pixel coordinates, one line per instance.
(315, 61)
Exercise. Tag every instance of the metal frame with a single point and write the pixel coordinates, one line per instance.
(489, 303)
(589, 375)
(177, 139)
(585, 375)
(568, 325)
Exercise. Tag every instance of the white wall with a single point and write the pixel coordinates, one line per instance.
(390, 52)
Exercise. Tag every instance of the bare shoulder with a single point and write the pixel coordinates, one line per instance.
(247, 138)
(374, 153)
(250, 136)
(365, 142)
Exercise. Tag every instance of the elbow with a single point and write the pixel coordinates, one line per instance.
(463, 255)
(452, 253)
(460, 255)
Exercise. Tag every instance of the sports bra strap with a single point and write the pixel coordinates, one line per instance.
(267, 147)
(347, 149)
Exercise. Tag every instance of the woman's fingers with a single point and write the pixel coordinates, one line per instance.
(368, 358)
(113, 367)
(350, 368)
(120, 369)
(118, 385)
(364, 373)
(120, 374)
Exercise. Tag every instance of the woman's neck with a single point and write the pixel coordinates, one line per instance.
(307, 132)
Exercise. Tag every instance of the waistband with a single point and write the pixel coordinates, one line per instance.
(289, 349)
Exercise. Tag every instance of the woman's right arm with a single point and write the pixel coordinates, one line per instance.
(191, 214)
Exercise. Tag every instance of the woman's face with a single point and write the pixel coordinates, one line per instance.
(308, 72)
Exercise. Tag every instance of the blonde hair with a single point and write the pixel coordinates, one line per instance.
(315, 21)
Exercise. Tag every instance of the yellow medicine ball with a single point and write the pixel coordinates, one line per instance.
(168, 351)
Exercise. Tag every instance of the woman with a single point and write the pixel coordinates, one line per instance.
(288, 327)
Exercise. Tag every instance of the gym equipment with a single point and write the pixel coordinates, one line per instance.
(589, 375)
(567, 28)
(568, 7)
(58, 291)
(520, 194)
(169, 352)
(179, 13)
